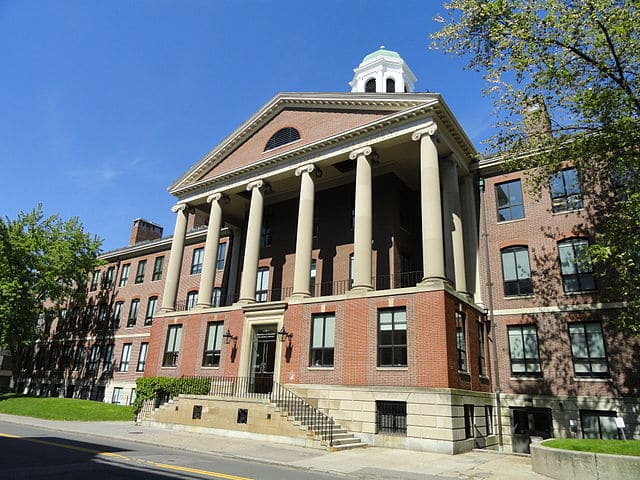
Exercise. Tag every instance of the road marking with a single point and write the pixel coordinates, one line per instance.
(165, 466)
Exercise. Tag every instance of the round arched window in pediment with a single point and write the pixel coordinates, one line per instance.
(282, 137)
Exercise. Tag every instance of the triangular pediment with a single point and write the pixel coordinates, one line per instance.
(315, 116)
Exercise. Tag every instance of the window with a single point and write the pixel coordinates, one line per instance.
(370, 86)
(108, 279)
(468, 421)
(599, 424)
(196, 261)
(117, 312)
(103, 310)
(488, 419)
(351, 269)
(192, 300)
(94, 358)
(133, 312)
(95, 279)
(172, 347)
(523, 350)
(482, 361)
(124, 276)
(391, 85)
(312, 278)
(266, 237)
(142, 357)
(108, 357)
(216, 297)
(211, 355)
(575, 265)
(125, 357)
(323, 330)
(79, 358)
(142, 265)
(587, 349)
(392, 337)
(151, 310)
(157, 268)
(222, 252)
(282, 137)
(509, 201)
(262, 285)
(117, 394)
(565, 191)
(461, 340)
(391, 417)
(516, 272)
(132, 397)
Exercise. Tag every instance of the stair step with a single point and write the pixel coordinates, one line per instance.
(337, 448)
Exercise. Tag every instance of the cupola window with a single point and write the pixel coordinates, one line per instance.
(391, 85)
(282, 137)
(370, 86)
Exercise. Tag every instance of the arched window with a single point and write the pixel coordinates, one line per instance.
(370, 86)
(391, 85)
(282, 137)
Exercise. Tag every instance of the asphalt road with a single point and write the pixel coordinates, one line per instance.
(37, 453)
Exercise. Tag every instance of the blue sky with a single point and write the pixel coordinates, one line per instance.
(104, 103)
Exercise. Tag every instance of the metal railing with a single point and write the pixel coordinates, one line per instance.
(299, 409)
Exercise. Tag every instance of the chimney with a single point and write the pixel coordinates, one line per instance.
(142, 231)
(537, 123)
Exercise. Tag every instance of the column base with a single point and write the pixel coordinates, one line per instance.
(203, 306)
(359, 290)
(434, 283)
(167, 309)
(298, 295)
(245, 301)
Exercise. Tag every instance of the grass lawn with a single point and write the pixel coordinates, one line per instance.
(63, 408)
(615, 447)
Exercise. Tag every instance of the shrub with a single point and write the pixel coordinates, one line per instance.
(152, 387)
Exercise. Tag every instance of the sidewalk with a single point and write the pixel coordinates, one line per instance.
(370, 462)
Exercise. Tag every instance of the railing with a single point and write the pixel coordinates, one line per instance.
(293, 405)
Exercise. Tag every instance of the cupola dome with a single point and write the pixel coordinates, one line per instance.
(382, 71)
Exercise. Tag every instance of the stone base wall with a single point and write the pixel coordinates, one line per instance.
(435, 416)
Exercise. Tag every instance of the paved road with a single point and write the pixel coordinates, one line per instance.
(33, 453)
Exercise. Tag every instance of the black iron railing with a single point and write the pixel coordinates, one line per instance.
(299, 409)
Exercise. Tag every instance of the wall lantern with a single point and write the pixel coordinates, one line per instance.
(282, 334)
(228, 337)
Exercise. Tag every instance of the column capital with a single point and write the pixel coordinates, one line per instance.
(305, 168)
(428, 130)
(218, 196)
(179, 207)
(260, 184)
(366, 151)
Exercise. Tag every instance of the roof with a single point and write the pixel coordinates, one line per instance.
(381, 52)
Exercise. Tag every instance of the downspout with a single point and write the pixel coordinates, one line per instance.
(490, 316)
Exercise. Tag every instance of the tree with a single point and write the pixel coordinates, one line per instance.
(579, 61)
(43, 263)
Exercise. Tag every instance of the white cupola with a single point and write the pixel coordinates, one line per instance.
(382, 71)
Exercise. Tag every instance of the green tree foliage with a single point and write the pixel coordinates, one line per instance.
(579, 61)
(44, 262)
(151, 387)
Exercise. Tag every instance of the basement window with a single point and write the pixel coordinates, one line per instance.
(243, 415)
(391, 417)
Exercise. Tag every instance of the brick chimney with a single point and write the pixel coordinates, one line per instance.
(537, 123)
(142, 231)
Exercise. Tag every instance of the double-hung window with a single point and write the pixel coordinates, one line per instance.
(482, 361)
(196, 261)
(509, 201)
(108, 279)
(125, 357)
(575, 265)
(133, 312)
(157, 269)
(566, 193)
(461, 340)
(142, 265)
(151, 310)
(124, 275)
(95, 280)
(392, 337)
(117, 313)
(213, 342)
(216, 297)
(192, 300)
(262, 285)
(323, 331)
(172, 346)
(222, 252)
(94, 358)
(587, 349)
(523, 350)
(108, 358)
(142, 357)
(516, 272)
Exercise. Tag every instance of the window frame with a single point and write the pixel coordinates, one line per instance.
(151, 310)
(461, 340)
(322, 356)
(174, 339)
(510, 206)
(211, 357)
(117, 314)
(221, 255)
(125, 357)
(158, 265)
(482, 354)
(583, 278)
(391, 417)
(192, 300)
(524, 285)
(598, 414)
(142, 357)
(124, 275)
(197, 259)
(216, 297)
(262, 280)
(94, 359)
(590, 360)
(397, 349)
(562, 198)
(526, 361)
(469, 420)
(132, 318)
(140, 270)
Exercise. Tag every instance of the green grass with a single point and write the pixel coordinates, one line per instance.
(63, 408)
(614, 447)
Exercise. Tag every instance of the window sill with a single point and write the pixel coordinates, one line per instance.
(520, 297)
(320, 369)
(565, 212)
(484, 378)
(392, 369)
(593, 379)
(506, 222)
(464, 372)
(211, 368)
(581, 292)
(527, 379)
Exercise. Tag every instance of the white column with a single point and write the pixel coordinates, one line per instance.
(363, 223)
(431, 208)
(470, 231)
(210, 251)
(175, 258)
(304, 237)
(252, 245)
(453, 222)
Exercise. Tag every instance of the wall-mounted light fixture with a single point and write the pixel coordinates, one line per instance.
(282, 334)
(228, 337)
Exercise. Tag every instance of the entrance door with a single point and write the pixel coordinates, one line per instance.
(263, 356)
(527, 423)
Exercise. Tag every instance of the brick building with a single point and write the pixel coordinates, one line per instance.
(333, 244)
